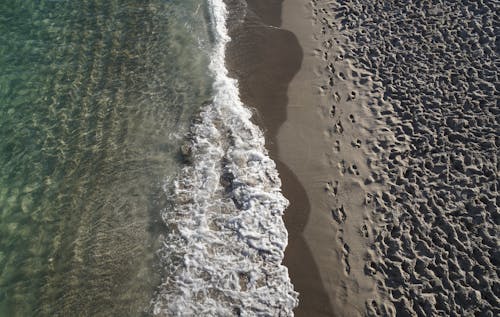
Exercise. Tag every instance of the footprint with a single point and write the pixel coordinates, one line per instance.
(372, 308)
(364, 230)
(368, 199)
(351, 96)
(370, 268)
(356, 143)
(331, 68)
(346, 248)
(336, 147)
(345, 259)
(353, 169)
(351, 117)
(332, 187)
(369, 180)
(322, 90)
(342, 168)
(344, 290)
(339, 214)
(336, 96)
(338, 128)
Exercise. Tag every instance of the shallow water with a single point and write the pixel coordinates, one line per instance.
(94, 99)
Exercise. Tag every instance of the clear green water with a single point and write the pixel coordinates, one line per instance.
(91, 93)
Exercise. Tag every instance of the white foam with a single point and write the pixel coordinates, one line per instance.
(226, 239)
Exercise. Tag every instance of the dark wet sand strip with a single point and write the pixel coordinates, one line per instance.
(265, 58)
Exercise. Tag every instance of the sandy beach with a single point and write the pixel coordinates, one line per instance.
(309, 158)
(383, 120)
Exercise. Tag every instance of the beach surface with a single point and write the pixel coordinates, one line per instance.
(383, 121)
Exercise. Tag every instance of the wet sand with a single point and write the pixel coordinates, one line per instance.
(265, 58)
(382, 119)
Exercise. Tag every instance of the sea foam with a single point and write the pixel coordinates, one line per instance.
(225, 243)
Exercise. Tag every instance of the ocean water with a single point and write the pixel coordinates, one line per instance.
(95, 98)
(100, 215)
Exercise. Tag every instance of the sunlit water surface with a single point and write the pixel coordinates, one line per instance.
(94, 98)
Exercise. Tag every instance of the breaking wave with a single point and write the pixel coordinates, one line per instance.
(226, 237)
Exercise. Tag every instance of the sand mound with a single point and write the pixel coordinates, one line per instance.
(427, 73)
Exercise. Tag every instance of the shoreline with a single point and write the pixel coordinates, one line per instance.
(270, 65)
(370, 154)
(226, 242)
(270, 80)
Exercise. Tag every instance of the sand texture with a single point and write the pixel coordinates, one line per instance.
(391, 133)
(320, 143)
(264, 58)
(410, 92)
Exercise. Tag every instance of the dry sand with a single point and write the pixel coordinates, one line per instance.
(383, 119)
(392, 130)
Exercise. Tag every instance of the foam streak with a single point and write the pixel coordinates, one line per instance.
(226, 237)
